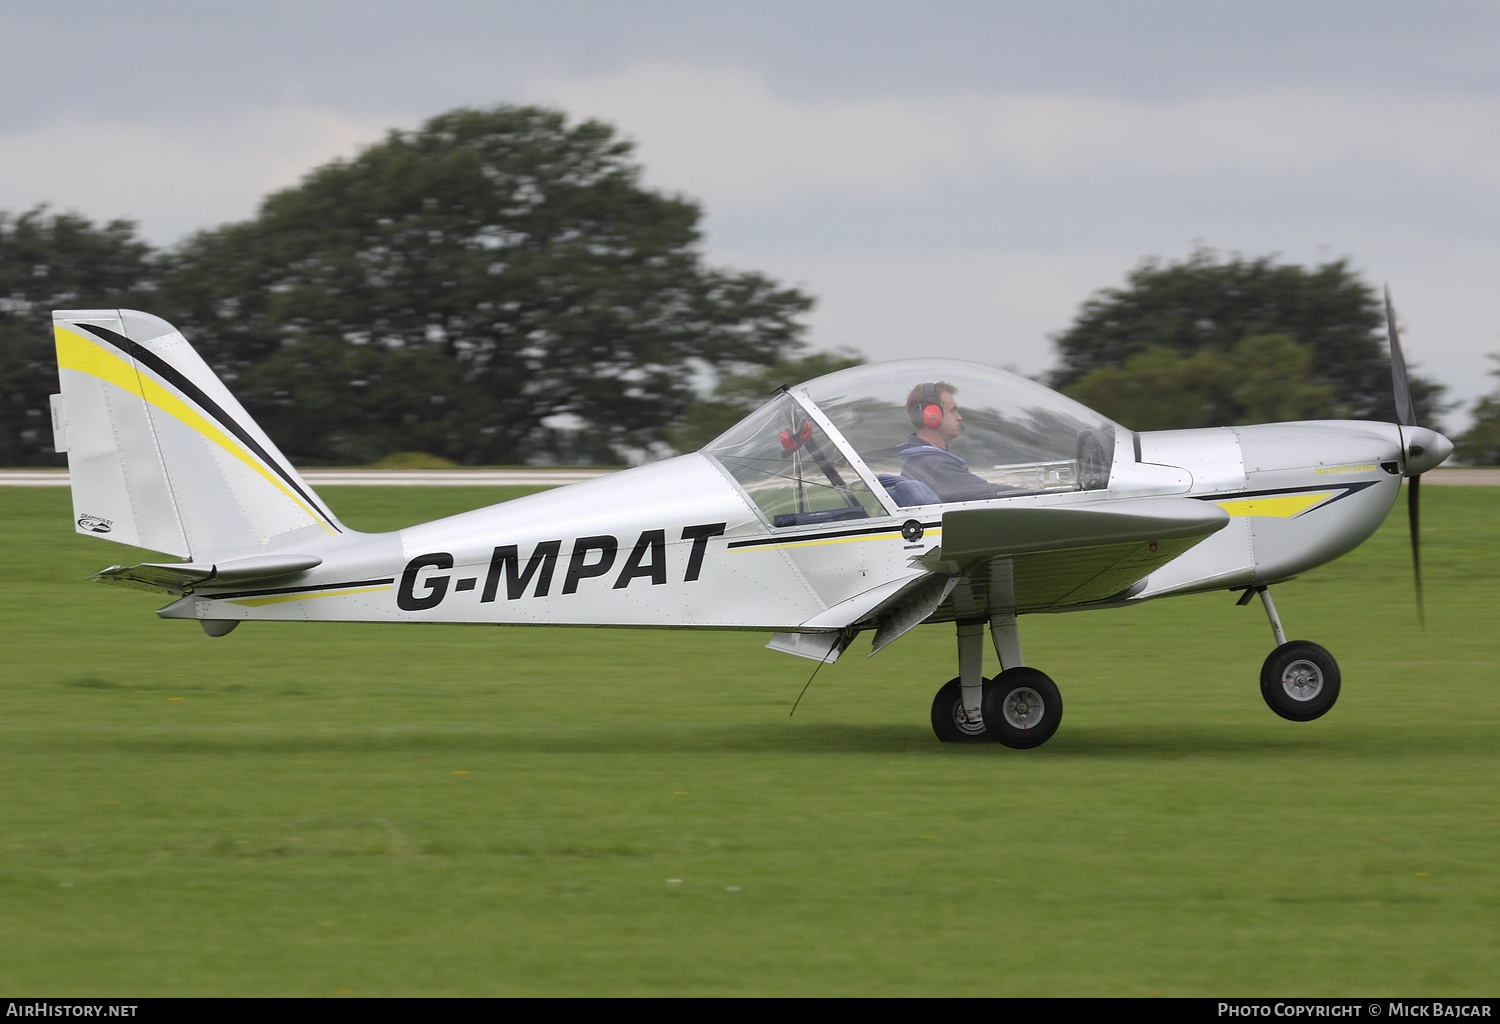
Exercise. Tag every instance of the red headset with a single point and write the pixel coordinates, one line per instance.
(792, 441)
(929, 414)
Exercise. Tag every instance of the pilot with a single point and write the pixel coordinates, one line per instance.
(925, 455)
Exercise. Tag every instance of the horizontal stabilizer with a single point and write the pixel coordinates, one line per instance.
(181, 577)
(970, 534)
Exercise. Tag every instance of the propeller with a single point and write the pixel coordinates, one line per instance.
(1423, 448)
(1406, 415)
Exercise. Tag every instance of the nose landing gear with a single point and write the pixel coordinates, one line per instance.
(1299, 680)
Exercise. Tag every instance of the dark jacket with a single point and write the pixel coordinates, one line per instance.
(944, 472)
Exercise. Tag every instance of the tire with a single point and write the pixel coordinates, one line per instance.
(1300, 681)
(1022, 708)
(947, 721)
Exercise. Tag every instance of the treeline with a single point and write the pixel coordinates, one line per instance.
(497, 287)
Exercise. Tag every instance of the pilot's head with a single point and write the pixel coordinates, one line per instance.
(934, 412)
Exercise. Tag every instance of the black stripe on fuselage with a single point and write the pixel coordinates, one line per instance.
(296, 590)
(167, 372)
(793, 538)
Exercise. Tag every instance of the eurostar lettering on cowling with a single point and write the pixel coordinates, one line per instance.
(590, 557)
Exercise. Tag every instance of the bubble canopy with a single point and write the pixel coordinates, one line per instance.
(916, 432)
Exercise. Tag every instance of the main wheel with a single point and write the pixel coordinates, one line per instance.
(948, 718)
(1022, 708)
(1300, 681)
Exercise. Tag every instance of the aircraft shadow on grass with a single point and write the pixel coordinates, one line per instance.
(1081, 743)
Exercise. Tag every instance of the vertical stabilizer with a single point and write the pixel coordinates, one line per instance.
(161, 455)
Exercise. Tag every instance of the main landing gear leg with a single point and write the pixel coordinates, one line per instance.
(971, 666)
(1007, 639)
(1299, 680)
(957, 710)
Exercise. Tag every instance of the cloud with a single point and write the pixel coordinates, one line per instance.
(970, 222)
(980, 304)
(175, 174)
(973, 223)
(726, 136)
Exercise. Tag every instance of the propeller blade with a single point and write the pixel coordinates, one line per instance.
(1413, 507)
(1405, 413)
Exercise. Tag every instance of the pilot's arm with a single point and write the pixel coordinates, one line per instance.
(944, 472)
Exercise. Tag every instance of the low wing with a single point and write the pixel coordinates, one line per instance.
(1035, 558)
(979, 532)
(1057, 557)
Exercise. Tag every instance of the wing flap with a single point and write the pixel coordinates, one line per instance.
(846, 613)
(915, 605)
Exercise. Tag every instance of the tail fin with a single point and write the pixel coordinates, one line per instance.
(161, 455)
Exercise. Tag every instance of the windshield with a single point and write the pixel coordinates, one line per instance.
(790, 468)
(946, 431)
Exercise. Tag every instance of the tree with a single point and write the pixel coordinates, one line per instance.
(1480, 444)
(53, 261)
(496, 286)
(1265, 378)
(1206, 305)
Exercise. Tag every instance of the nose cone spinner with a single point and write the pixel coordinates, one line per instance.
(1424, 449)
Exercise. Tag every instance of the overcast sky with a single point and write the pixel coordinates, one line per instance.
(946, 178)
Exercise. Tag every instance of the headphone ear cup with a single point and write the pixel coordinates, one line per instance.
(932, 416)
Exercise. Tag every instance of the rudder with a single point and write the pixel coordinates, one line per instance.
(161, 455)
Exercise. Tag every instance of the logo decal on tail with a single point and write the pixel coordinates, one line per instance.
(95, 524)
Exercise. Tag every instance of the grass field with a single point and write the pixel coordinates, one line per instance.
(378, 810)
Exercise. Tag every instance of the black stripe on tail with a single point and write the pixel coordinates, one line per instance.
(167, 372)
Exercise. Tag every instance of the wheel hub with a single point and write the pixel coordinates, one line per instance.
(1023, 708)
(1302, 680)
(969, 726)
(965, 724)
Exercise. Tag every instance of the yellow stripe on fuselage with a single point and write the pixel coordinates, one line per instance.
(75, 352)
(256, 602)
(1282, 506)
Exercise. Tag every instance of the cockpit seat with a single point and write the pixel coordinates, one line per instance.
(906, 492)
(827, 515)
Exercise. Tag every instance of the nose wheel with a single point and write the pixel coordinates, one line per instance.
(1300, 681)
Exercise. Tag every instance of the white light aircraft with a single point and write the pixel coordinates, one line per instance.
(872, 499)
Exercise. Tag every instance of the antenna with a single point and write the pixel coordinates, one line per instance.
(805, 685)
